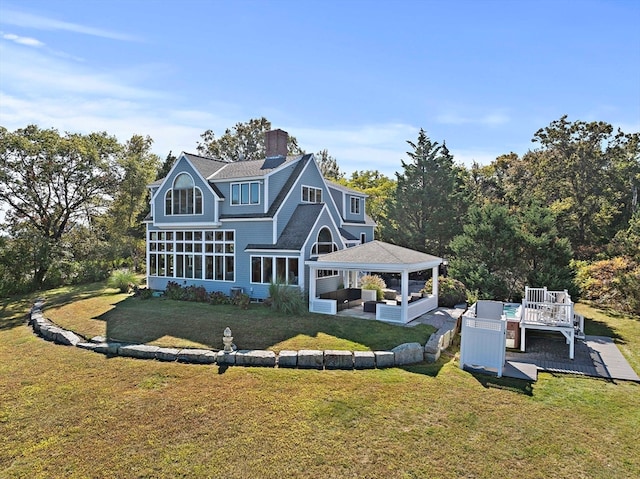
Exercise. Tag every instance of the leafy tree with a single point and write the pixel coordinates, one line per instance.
(379, 189)
(426, 208)
(50, 182)
(328, 166)
(123, 221)
(576, 171)
(243, 142)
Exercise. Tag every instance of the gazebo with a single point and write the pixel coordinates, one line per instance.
(374, 256)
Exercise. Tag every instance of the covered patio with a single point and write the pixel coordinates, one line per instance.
(372, 257)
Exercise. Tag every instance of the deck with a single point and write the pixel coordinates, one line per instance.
(595, 356)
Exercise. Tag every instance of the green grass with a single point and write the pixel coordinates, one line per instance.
(169, 323)
(66, 412)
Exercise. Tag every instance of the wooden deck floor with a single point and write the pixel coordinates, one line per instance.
(595, 356)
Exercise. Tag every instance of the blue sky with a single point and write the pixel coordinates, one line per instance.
(359, 78)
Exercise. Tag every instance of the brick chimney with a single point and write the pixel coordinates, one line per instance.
(276, 143)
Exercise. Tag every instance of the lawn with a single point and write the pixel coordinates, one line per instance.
(66, 412)
(170, 323)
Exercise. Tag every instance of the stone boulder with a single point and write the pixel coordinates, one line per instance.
(199, 356)
(408, 353)
(384, 359)
(336, 359)
(140, 351)
(310, 359)
(256, 357)
(364, 360)
(288, 359)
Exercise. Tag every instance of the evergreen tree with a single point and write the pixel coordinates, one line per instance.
(328, 166)
(427, 207)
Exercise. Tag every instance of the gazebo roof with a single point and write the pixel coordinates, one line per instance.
(377, 256)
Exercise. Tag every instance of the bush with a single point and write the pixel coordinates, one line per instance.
(611, 283)
(173, 291)
(218, 297)
(287, 299)
(142, 293)
(241, 300)
(372, 281)
(450, 291)
(122, 280)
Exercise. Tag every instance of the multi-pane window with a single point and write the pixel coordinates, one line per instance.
(325, 243)
(192, 254)
(185, 198)
(278, 269)
(311, 194)
(325, 273)
(245, 193)
(355, 205)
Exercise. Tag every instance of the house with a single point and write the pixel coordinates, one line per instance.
(240, 226)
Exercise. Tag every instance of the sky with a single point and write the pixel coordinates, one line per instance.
(359, 78)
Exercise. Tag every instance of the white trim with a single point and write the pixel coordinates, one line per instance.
(186, 225)
(226, 220)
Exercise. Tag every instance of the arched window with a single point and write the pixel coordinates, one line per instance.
(325, 243)
(185, 198)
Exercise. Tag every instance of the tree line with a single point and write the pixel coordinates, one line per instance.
(563, 215)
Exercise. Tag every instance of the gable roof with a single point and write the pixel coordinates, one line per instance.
(251, 169)
(297, 230)
(205, 165)
(344, 189)
(379, 256)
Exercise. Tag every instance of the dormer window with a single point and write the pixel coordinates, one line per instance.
(245, 193)
(185, 198)
(311, 194)
(355, 205)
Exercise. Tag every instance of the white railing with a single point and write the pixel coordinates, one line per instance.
(551, 308)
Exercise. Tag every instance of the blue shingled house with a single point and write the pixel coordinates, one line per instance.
(238, 226)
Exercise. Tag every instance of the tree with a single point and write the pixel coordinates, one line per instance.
(328, 166)
(427, 206)
(123, 221)
(243, 142)
(164, 170)
(581, 171)
(51, 182)
(502, 250)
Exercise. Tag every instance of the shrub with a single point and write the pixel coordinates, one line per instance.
(372, 281)
(450, 291)
(142, 293)
(173, 291)
(123, 280)
(218, 297)
(611, 283)
(197, 294)
(287, 299)
(241, 300)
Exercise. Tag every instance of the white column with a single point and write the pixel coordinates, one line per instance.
(404, 291)
(312, 284)
(434, 285)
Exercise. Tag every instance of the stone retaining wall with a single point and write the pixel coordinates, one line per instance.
(404, 354)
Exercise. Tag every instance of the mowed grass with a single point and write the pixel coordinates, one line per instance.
(170, 323)
(66, 412)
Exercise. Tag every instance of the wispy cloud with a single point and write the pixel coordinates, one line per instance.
(28, 20)
(28, 41)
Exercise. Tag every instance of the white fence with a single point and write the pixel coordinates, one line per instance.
(483, 343)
